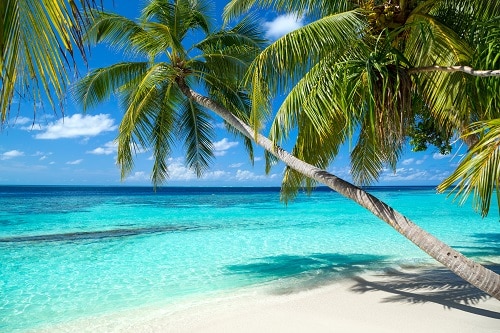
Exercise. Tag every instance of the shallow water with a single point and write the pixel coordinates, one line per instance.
(68, 253)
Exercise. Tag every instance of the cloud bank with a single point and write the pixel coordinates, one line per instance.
(77, 126)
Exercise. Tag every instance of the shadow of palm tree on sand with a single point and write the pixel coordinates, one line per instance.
(430, 285)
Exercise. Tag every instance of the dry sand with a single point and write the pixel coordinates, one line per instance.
(424, 300)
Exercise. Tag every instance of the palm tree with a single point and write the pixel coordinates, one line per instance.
(382, 69)
(407, 68)
(160, 103)
(38, 42)
(156, 110)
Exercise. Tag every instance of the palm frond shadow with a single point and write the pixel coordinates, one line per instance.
(431, 285)
(489, 246)
(302, 272)
(479, 251)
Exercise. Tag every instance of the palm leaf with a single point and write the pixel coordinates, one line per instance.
(285, 61)
(143, 99)
(101, 83)
(479, 171)
(182, 16)
(197, 133)
(115, 30)
(163, 132)
(38, 40)
(316, 9)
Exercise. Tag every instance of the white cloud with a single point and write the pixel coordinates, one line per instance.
(342, 172)
(438, 156)
(215, 175)
(221, 147)
(245, 175)
(138, 176)
(236, 165)
(138, 149)
(42, 155)
(411, 174)
(75, 162)
(404, 174)
(418, 162)
(178, 171)
(21, 120)
(11, 154)
(108, 149)
(77, 126)
(282, 25)
(408, 161)
(219, 125)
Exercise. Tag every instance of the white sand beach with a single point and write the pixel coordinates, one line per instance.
(424, 300)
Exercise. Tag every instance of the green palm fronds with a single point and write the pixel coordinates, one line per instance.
(38, 42)
(196, 129)
(479, 171)
(281, 65)
(314, 9)
(157, 113)
(367, 72)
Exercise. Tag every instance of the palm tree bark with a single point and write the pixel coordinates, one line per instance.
(472, 272)
(452, 69)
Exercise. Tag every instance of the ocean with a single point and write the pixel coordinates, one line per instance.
(72, 253)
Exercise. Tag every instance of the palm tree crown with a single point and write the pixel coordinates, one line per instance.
(377, 72)
(156, 111)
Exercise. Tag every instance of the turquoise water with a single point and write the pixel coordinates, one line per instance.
(75, 252)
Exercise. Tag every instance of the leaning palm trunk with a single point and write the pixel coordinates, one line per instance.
(472, 272)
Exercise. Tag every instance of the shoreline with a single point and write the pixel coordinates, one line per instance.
(409, 300)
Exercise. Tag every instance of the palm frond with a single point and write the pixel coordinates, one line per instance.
(227, 54)
(305, 98)
(197, 133)
(479, 171)
(430, 42)
(316, 9)
(9, 55)
(115, 30)
(291, 184)
(143, 99)
(316, 148)
(182, 16)
(101, 83)
(157, 39)
(461, 15)
(487, 56)
(247, 33)
(162, 135)
(369, 157)
(38, 42)
(285, 61)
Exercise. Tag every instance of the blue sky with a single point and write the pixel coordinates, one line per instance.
(79, 149)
